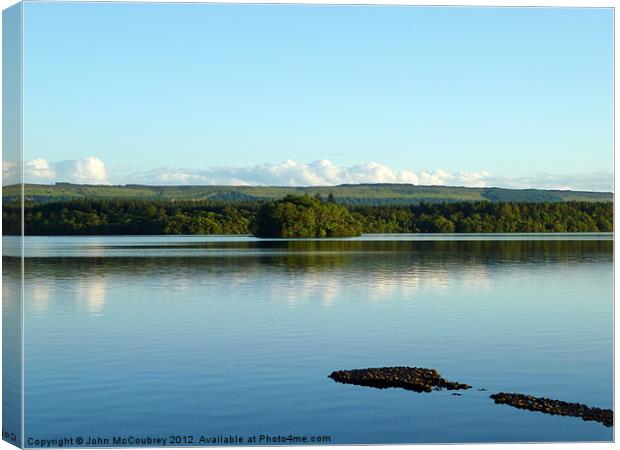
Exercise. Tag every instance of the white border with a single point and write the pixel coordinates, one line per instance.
(514, 3)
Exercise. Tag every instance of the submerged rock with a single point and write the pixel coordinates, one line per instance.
(556, 407)
(416, 379)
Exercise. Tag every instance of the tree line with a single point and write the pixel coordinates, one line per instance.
(296, 216)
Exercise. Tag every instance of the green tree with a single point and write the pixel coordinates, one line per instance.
(302, 216)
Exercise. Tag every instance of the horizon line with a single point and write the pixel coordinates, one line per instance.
(60, 183)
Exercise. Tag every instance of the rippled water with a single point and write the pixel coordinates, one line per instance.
(152, 336)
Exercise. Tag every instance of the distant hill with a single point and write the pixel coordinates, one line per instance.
(351, 194)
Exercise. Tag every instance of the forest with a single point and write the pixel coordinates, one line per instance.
(301, 216)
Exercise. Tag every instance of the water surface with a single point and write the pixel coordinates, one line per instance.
(152, 336)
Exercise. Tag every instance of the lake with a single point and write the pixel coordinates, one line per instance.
(155, 336)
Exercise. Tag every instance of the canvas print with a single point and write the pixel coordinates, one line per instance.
(305, 224)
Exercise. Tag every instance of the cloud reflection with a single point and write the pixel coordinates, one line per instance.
(377, 286)
(87, 293)
(91, 294)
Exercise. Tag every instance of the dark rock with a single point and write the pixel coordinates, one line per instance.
(456, 393)
(556, 407)
(416, 379)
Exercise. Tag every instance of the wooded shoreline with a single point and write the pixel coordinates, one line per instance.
(301, 216)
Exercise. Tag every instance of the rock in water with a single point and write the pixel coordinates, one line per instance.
(416, 379)
(556, 407)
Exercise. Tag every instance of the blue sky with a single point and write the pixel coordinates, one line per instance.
(294, 94)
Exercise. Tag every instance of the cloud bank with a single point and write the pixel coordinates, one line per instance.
(92, 170)
(291, 173)
(88, 170)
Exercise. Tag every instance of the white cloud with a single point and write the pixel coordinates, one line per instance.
(39, 169)
(87, 170)
(317, 173)
(594, 181)
(10, 173)
(92, 170)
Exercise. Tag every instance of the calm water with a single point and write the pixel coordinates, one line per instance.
(153, 336)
